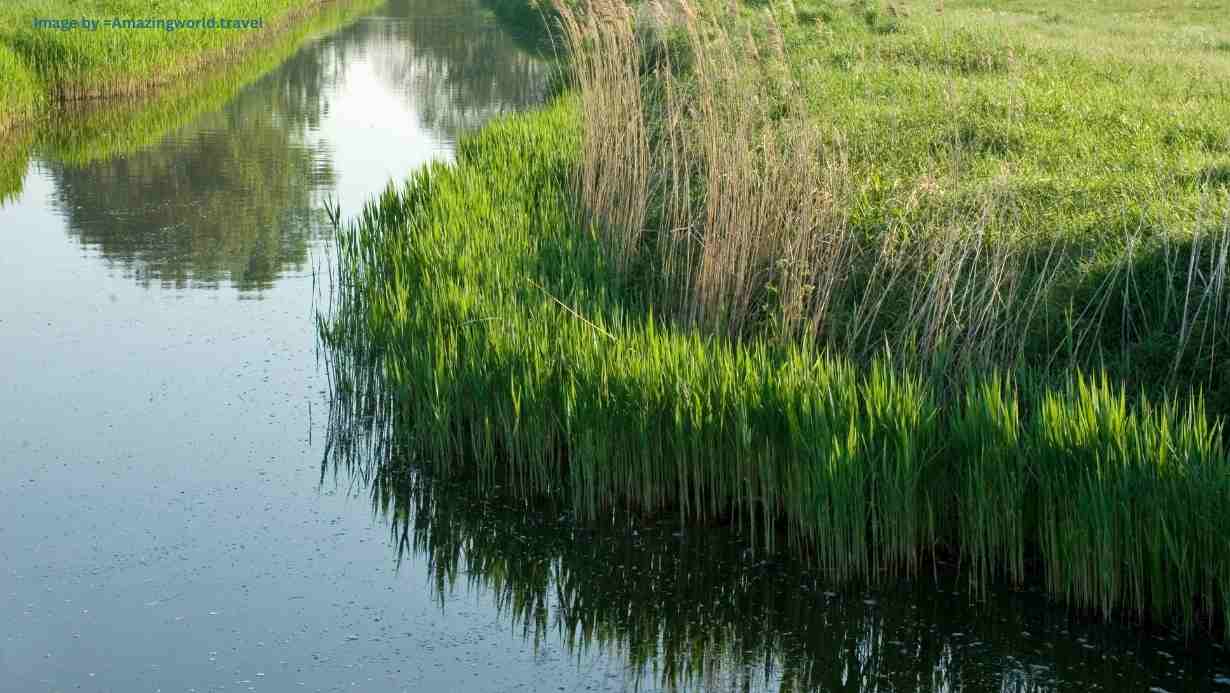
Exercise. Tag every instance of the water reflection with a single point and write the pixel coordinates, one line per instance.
(694, 610)
(463, 76)
(223, 204)
(686, 610)
(225, 185)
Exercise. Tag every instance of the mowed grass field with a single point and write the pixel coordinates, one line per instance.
(46, 66)
(1098, 121)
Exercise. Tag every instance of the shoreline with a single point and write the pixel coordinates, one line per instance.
(522, 321)
(514, 354)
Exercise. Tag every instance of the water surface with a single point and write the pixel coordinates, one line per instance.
(164, 525)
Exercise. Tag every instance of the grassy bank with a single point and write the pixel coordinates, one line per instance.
(45, 68)
(91, 130)
(982, 188)
(699, 283)
(477, 311)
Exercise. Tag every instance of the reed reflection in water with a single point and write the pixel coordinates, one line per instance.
(685, 609)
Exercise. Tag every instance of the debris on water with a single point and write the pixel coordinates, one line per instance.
(352, 637)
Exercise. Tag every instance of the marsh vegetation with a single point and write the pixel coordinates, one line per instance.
(873, 288)
(865, 381)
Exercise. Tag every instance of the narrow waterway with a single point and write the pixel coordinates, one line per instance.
(164, 521)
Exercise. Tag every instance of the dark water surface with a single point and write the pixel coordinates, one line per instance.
(163, 524)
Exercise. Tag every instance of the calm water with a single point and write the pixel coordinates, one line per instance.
(163, 522)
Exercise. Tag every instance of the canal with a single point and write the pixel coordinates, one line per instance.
(172, 521)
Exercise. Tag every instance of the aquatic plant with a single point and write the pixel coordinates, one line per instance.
(484, 321)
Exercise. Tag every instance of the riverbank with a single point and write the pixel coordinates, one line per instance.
(94, 129)
(650, 296)
(513, 351)
(47, 67)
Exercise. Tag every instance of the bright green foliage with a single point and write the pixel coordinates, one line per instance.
(992, 480)
(19, 90)
(1133, 504)
(481, 322)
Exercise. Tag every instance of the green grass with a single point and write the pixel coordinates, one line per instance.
(20, 92)
(493, 331)
(1090, 150)
(48, 67)
(1102, 128)
(1104, 121)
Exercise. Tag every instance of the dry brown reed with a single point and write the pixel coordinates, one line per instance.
(614, 178)
(742, 201)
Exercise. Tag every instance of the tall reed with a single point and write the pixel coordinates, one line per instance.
(484, 320)
(725, 197)
(749, 200)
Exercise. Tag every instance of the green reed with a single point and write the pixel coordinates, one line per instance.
(1133, 502)
(993, 480)
(475, 312)
(19, 92)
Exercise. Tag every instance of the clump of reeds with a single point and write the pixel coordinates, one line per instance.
(665, 347)
(719, 181)
(1128, 501)
(475, 314)
(20, 92)
(615, 176)
(716, 188)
